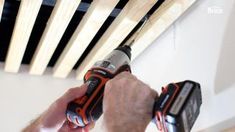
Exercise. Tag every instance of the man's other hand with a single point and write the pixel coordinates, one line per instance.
(128, 104)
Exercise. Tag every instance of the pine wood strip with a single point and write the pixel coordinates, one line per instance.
(25, 20)
(57, 24)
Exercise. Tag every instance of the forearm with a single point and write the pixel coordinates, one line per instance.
(113, 123)
(34, 126)
(128, 127)
(54, 118)
(39, 125)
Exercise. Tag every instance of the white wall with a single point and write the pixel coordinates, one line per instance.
(199, 46)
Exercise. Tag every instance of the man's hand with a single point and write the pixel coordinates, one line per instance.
(54, 119)
(128, 104)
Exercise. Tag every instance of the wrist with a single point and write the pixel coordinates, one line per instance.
(113, 124)
(128, 127)
(47, 124)
(34, 126)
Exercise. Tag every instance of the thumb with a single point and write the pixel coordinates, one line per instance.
(74, 93)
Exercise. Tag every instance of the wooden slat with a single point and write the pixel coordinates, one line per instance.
(57, 24)
(97, 13)
(1, 7)
(26, 17)
(118, 30)
(158, 23)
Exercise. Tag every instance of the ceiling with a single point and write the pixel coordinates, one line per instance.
(44, 33)
(8, 19)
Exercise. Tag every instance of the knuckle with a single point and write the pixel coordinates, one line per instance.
(150, 94)
(124, 73)
(110, 83)
(70, 91)
(154, 93)
(133, 83)
(133, 76)
(122, 80)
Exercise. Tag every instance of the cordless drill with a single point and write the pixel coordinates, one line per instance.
(88, 108)
(175, 110)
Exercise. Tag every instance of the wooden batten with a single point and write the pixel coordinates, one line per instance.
(25, 20)
(56, 26)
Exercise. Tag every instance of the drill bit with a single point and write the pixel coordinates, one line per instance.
(132, 39)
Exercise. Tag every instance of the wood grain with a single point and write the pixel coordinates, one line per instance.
(25, 20)
(56, 26)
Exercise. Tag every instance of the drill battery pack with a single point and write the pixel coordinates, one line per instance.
(178, 107)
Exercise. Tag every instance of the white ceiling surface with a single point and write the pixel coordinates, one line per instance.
(199, 46)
